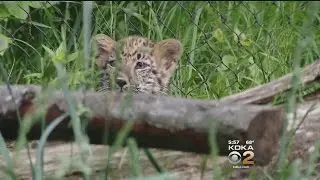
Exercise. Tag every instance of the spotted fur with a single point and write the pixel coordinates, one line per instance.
(145, 66)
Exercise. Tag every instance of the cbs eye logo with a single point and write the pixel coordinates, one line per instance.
(235, 157)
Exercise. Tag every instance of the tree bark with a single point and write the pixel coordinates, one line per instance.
(67, 153)
(159, 121)
(264, 93)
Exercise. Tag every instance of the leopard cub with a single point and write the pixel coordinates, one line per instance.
(144, 66)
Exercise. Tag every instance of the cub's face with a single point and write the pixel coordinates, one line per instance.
(144, 66)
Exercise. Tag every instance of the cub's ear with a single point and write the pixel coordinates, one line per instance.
(105, 48)
(167, 53)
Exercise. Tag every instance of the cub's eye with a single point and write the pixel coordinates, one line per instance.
(141, 65)
(138, 56)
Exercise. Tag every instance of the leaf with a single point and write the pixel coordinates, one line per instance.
(239, 36)
(121, 27)
(36, 75)
(245, 42)
(73, 56)
(236, 34)
(3, 11)
(132, 7)
(19, 10)
(4, 43)
(51, 3)
(42, 4)
(48, 50)
(36, 24)
(39, 24)
(130, 12)
(60, 52)
(227, 60)
(254, 70)
(36, 4)
(218, 34)
(251, 61)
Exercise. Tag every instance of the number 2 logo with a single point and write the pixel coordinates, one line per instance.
(248, 160)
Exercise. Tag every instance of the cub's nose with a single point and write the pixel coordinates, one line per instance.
(121, 82)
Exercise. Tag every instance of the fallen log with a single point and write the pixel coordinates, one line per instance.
(303, 138)
(305, 130)
(264, 93)
(159, 121)
(67, 162)
(307, 114)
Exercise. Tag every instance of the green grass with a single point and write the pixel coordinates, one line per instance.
(228, 46)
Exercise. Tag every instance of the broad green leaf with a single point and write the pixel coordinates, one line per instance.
(3, 11)
(4, 43)
(254, 71)
(132, 7)
(227, 60)
(218, 34)
(245, 42)
(239, 36)
(36, 4)
(19, 10)
(251, 61)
